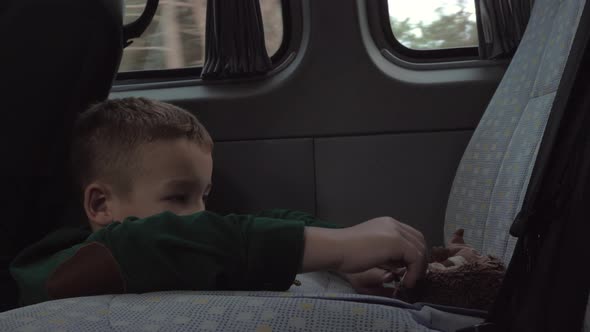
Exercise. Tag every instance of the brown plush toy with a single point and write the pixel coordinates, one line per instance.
(458, 276)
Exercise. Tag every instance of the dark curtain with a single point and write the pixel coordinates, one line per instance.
(234, 41)
(501, 26)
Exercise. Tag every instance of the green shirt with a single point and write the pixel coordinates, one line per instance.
(203, 251)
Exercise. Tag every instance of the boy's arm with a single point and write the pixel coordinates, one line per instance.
(308, 219)
(32, 266)
(167, 252)
(206, 251)
(31, 274)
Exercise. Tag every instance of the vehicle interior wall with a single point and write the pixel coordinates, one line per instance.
(339, 131)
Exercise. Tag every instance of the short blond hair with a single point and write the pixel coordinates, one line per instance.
(107, 135)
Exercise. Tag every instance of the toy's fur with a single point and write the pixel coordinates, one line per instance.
(458, 276)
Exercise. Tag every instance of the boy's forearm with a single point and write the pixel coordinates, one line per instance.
(322, 249)
(308, 219)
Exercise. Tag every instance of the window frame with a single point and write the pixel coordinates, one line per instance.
(380, 25)
(176, 74)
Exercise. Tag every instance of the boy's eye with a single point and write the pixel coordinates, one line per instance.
(177, 198)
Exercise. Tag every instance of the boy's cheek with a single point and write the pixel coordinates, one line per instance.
(191, 211)
(144, 210)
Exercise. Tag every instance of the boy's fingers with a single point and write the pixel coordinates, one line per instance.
(374, 277)
(419, 245)
(412, 276)
(412, 230)
(389, 277)
(416, 266)
(416, 237)
(400, 271)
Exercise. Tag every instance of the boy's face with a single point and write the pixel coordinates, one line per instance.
(171, 175)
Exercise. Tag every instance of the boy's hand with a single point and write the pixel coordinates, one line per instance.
(381, 242)
(371, 282)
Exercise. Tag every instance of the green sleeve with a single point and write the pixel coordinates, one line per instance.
(306, 218)
(34, 265)
(203, 251)
(31, 278)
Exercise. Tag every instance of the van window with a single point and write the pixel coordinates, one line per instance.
(176, 37)
(434, 24)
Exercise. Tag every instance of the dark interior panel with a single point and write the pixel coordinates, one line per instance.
(256, 175)
(406, 176)
(344, 180)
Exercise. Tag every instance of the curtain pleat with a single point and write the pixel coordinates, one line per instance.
(234, 40)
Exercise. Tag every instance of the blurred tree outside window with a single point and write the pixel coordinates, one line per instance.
(176, 36)
(434, 24)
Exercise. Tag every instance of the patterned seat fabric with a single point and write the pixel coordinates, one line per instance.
(186, 311)
(324, 302)
(493, 175)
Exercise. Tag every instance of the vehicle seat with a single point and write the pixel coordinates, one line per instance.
(493, 175)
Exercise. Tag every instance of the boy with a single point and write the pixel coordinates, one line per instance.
(144, 169)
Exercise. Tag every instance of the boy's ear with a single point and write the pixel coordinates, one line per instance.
(98, 204)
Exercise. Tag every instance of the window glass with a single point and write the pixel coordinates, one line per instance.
(434, 24)
(176, 36)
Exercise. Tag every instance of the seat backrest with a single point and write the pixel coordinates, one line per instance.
(493, 175)
(58, 57)
(587, 318)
